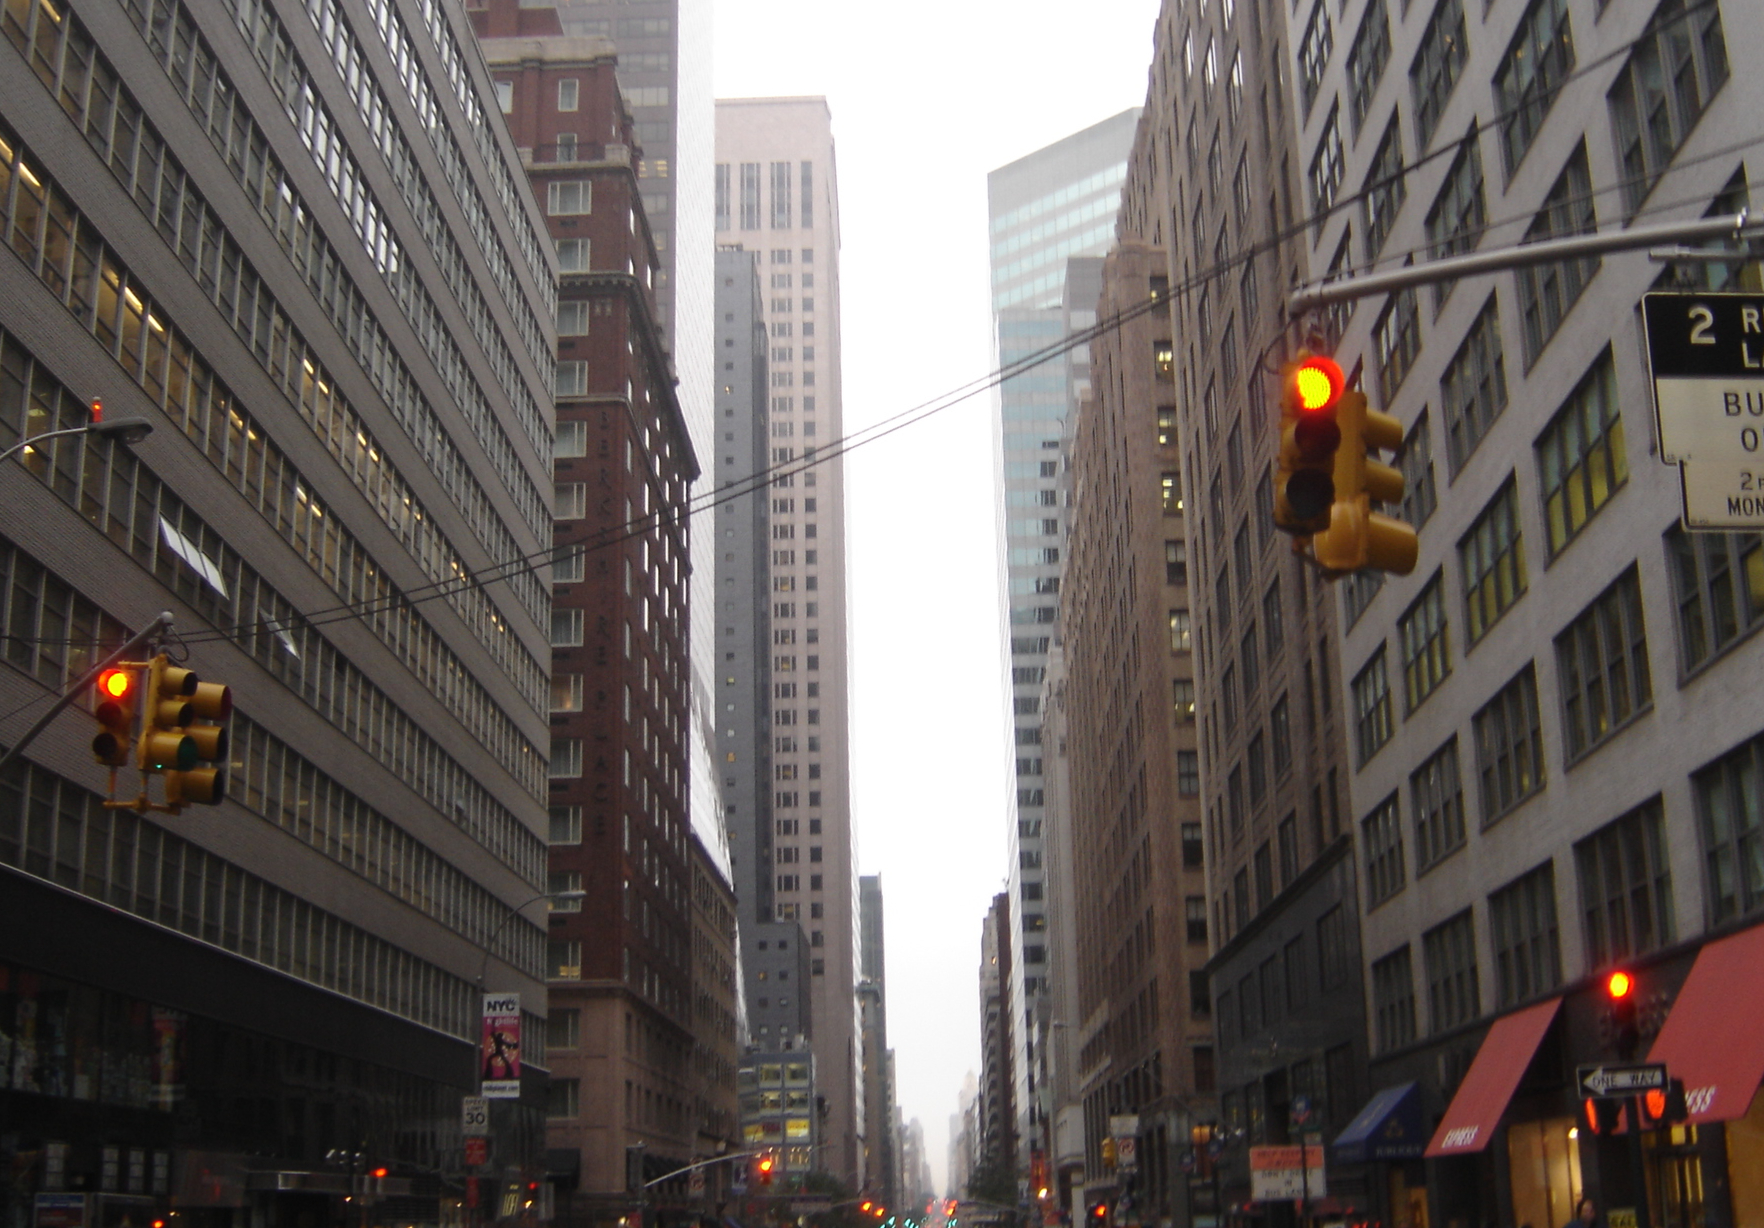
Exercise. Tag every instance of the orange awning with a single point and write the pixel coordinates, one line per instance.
(1712, 1039)
(1482, 1097)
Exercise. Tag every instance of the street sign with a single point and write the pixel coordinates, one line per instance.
(477, 1150)
(1127, 1152)
(1300, 1109)
(474, 1116)
(1615, 1079)
(1284, 1174)
(1706, 357)
(1123, 1124)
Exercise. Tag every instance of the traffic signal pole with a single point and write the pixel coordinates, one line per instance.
(158, 626)
(1549, 251)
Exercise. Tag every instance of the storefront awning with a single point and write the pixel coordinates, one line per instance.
(1388, 1128)
(1721, 1063)
(1482, 1097)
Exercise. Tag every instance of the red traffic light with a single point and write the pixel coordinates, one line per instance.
(766, 1164)
(116, 683)
(1619, 985)
(379, 1173)
(1317, 383)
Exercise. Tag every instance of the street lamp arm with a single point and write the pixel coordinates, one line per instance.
(517, 910)
(733, 1155)
(128, 430)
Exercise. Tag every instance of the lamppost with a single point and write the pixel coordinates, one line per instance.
(123, 430)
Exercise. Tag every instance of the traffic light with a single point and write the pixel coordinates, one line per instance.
(1304, 485)
(764, 1166)
(1108, 1151)
(1603, 1115)
(1358, 537)
(1099, 1214)
(181, 730)
(1620, 989)
(1666, 1105)
(118, 692)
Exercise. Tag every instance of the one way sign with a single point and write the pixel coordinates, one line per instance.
(1613, 1080)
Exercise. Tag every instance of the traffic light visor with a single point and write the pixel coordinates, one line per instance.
(1619, 985)
(1318, 381)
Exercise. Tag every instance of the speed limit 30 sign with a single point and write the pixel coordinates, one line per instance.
(1706, 356)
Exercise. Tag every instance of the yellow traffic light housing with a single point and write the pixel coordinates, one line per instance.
(182, 729)
(1310, 437)
(117, 695)
(1357, 537)
(164, 746)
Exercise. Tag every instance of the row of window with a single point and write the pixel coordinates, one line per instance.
(784, 186)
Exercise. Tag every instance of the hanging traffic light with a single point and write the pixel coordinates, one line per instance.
(180, 729)
(764, 1166)
(1304, 486)
(1626, 1032)
(1358, 537)
(118, 692)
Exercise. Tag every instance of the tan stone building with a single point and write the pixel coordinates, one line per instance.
(1144, 1040)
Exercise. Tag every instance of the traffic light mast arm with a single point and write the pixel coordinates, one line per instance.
(140, 638)
(733, 1155)
(1549, 251)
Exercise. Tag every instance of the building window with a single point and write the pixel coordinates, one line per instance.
(572, 255)
(723, 195)
(1170, 492)
(1372, 715)
(781, 195)
(566, 825)
(566, 692)
(1336, 959)
(1397, 340)
(1313, 56)
(566, 564)
(1719, 583)
(563, 1029)
(1436, 795)
(1386, 184)
(1730, 808)
(1365, 63)
(1175, 562)
(1280, 731)
(1415, 461)
(574, 196)
(567, 92)
(572, 319)
(566, 628)
(1196, 908)
(564, 882)
(1581, 458)
(566, 758)
(1661, 92)
(1492, 557)
(1453, 992)
(1188, 773)
(1298, 969)
(1531, 74)
(1626, 887)
(1286, 840)
(1455, 222)
(1425, 643)
(1382, 834)
(572, 378)
(1193, 849)
(1256, 757)
(750, 196)
(1182, 699)
(563, 960)
(1181, 635)
(1327, 165)
(1509, 746)
(1602, 666)
(1434, 71)
(505, 96)
(1522, 929)
(1393, 1000)
(569, 500)
(1547, 291)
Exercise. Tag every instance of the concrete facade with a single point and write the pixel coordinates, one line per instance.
(777, 191)
(347, 359)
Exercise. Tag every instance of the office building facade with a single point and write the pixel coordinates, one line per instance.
(1043, 209)
(1547, 742)
(776, 190)
(622, 962)
(294, 241)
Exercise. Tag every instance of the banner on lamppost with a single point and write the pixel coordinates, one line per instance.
(499, 1051)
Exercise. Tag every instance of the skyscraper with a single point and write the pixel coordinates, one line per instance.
(1044, 208)
(776, 193)
(323, 283)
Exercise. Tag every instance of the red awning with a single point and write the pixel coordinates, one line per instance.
(1482, 1097)
(1712, 1039)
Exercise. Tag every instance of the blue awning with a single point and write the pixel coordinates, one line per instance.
(1388, 1128)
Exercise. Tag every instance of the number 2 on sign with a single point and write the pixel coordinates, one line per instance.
(1702, 320)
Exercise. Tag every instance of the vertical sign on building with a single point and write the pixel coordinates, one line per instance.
(500, 1050)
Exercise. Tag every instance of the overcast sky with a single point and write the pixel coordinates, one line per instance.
(928, 96)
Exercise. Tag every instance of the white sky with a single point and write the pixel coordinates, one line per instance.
(928, 96)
